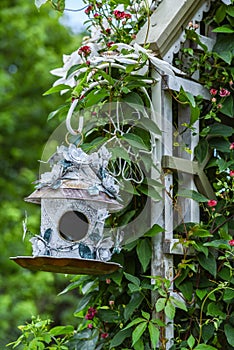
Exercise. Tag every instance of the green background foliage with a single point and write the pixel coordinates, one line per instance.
(31, 44)
(130, 311)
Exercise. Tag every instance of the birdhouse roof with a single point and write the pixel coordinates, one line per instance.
(72, 193)
(76, 175)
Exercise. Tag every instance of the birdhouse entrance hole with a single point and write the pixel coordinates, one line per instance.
(73, 226)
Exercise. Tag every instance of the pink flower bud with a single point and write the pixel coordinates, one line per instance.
(231, 173)
(231, 146)
(231, 242)
(90, 326)
(108, 281)
(212, 203)
(104, 335)
(213, 92)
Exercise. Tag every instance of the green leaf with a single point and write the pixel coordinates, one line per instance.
(133, 99)
(204, 347)
(208, 263)
(170, 310)
(220, 130)
(150, 191)
(139, 345)
(145, 315)
(224, 29)
(214, 309)
(57, 88)
(178, 303)
(220, 13)
(149, 125)
(154, 230)
(198, 246)
(60, 110)
(220, 144)
(199, 232)
(218, 243)
(229, 332)
(201, 150)
(120, 152)
(83, 302)
(144, 252)
(224, 47)
(133, 288)
(61, 330)
(135, 141)
(134, 322)
(120, 337)
(154, 334)
(228, 107)
(132, 279)
(96, 96)
(191, 341)
(108, 315)
(208, 331)
(137, 333)
(228, 294)
(160, 304)
(134, 303)
(187, 290)
(195, 114)
(198, 197)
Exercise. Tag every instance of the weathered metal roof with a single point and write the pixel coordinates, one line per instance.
(72, 193)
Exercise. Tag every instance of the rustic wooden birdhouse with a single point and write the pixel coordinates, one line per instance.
(75, 197)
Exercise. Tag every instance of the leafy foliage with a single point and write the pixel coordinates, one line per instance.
(130, 309)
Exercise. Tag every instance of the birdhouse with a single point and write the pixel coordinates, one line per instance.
(76, 197)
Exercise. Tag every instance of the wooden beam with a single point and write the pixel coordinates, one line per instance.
(173, 246)
(190, 167)
(167, 23)
(175, 83)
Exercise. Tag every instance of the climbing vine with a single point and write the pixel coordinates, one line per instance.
(116, 311)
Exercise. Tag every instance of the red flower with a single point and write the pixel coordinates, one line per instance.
(108, 31)
(128, 16)
(104, 335)
(231, 242)
(231, 173)
(96, 15)
(212, 203)
(213, 92)
(110, 43)
(223, 92)
(88, 9)
(85, 50)
(231, 146)
(91, 313)
(121, 15)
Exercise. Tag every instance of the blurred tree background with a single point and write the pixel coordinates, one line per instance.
(31, 44)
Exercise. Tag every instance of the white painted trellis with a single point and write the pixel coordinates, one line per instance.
(165, 33)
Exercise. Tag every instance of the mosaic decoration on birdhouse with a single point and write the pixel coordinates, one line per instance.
(76, 197)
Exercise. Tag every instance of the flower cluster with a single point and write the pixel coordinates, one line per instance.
(222, 92)
(84, 50)
(91, 313)
(121, 15)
